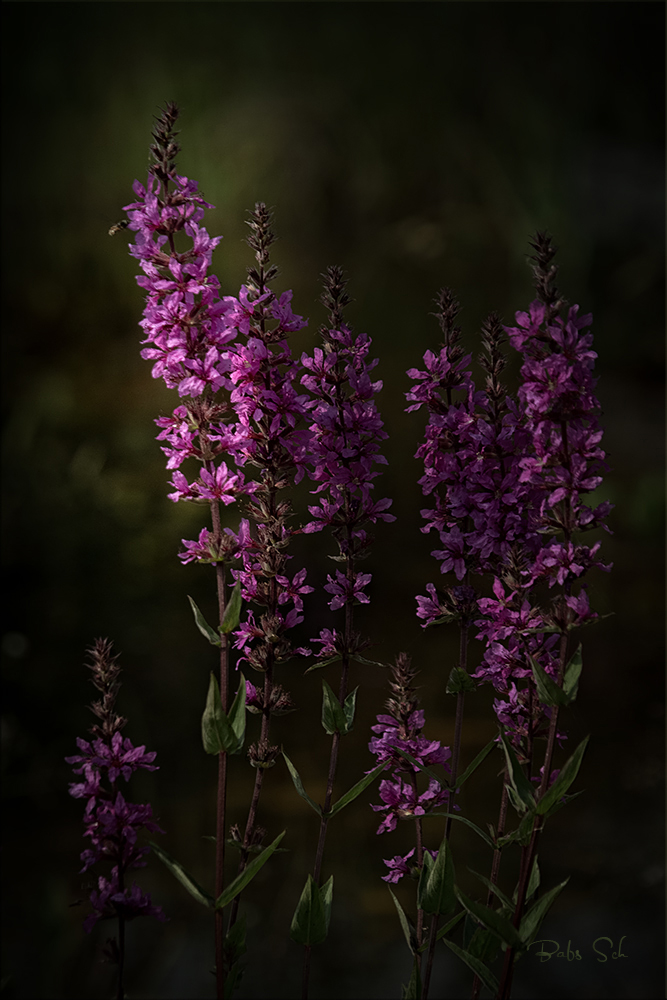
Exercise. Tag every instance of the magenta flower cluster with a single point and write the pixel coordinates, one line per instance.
(508, 475)
(229, 360)
(398, 733)
(112, 825)
(346, 434)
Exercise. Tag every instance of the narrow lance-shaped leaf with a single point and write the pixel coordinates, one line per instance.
(500, 896)
(218, 735)
(349, 707)
(203, 625)
(532, 920)
(415, 763)
(472, 767)
(477, 967)
(435, 893)
(241, 881)
(567, 775)
(572, 674)
(356, 790)
(493, 921)
(310, 922)
(462, 819)
(548, 691)
(186, 880)
(520, 789)
(333, 717)
(409, 929)
(237, 714)
(232, 613)
(323, 663)
(298, 784)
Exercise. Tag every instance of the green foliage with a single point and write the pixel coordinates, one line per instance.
(232, 613)
(203, 625)
(222, 733)
(435, 893)
(241, 881)
(310, 923)
(186, 880)
(298, 784)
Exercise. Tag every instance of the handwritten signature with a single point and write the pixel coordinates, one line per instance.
(602, 946)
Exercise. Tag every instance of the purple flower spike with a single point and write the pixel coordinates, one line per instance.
(112, 824)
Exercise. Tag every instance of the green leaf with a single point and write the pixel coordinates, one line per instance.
(567, 775)
(548, 691)
(349, 706)
(435, 893)
(234, 947)
(475, 764)
(333, 717)
(572, 675)
(237, 715)
(218, 736)
(323, 663)
(483, 945)
(462, 819)
(232, 613)
(241, 881)
(356, 790)
(298, 784)
(477, 967)
(409, 929)
(531, 921)
(495, 922)
(447, 927)
(371, 663)
(179, 872)
(533, 881)
(311, 920)
(326, 892)
(459, 680)
(413, 990)
(418, 766)
(500, 896)
(203, 625)
(520, 789)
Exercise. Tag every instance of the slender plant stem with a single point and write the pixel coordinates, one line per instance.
(495, 867)
(221, 805)
(529, 854)
(456, 752)
(121, 936)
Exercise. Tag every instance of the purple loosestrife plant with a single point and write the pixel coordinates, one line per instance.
(401, 748)
(112, 824)
(270, 410)
(228, 360)
(345, 437)
(508, 475)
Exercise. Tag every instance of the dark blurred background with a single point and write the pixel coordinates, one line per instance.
(416, 144)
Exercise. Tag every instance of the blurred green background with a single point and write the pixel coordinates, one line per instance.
(416, 144)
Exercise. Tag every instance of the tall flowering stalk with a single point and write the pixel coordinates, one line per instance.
(400, 746)
(112, 824)
(508, 474)
(270, 411)
(564, 462)
(227, 358)
(346, 433)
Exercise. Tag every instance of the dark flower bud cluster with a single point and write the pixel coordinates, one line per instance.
(112, 824)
